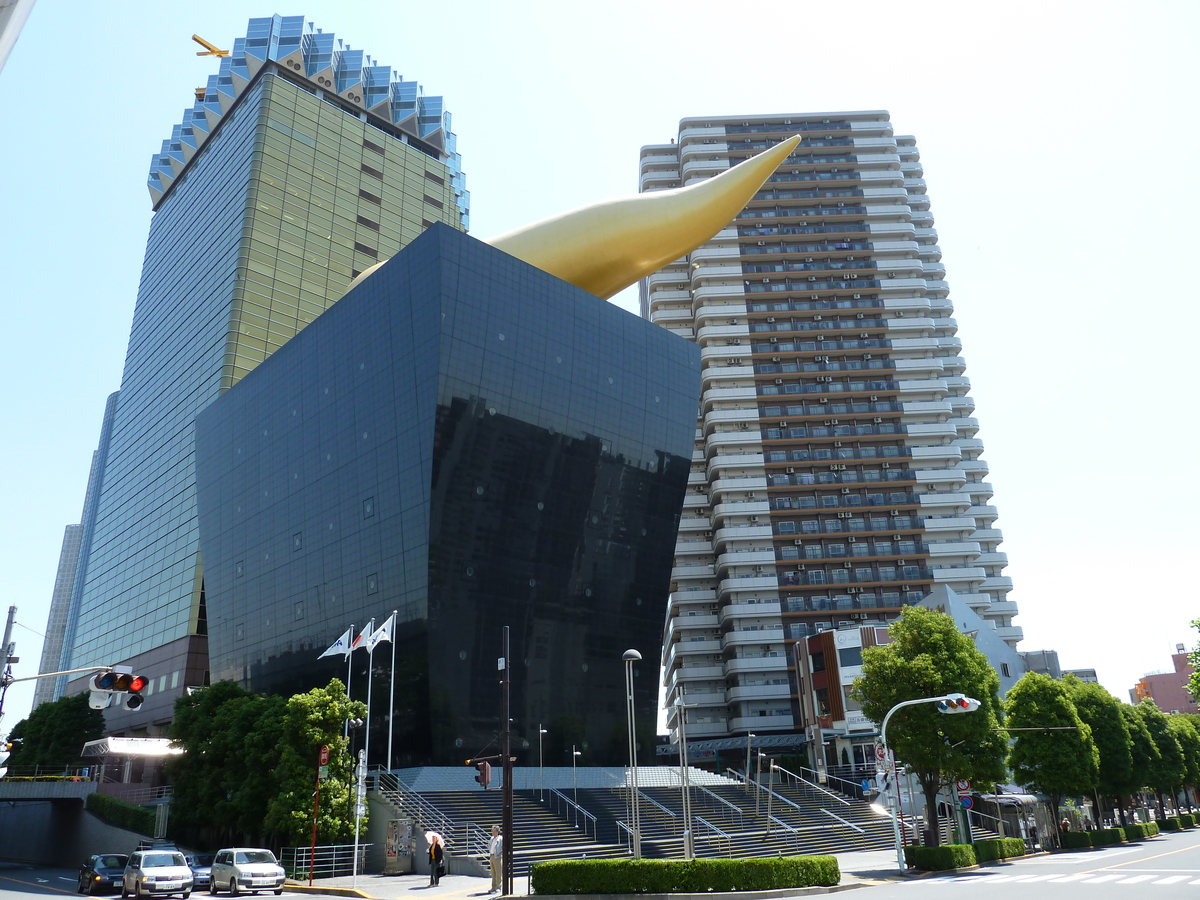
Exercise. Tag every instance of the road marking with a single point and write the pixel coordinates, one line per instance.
(65, 878)
(1173, 879)
(1136, 879)
(1197, 881)
(1065, 878)
(35, 884)
(1100, 879)
(1029, 879)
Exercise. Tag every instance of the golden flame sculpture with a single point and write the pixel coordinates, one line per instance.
(607, 246)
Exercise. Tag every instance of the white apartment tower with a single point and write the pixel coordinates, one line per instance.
(836, 474)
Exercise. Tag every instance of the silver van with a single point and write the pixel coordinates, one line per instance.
(249, 869)
(156, 873)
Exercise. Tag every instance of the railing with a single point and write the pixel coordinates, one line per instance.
(136, 796)
(844, 822)
(625, 836)
(573, 812)
(717, 797)
(717, 835)
(462, 838)
(654, 802)
(815, 787)
(328, 861)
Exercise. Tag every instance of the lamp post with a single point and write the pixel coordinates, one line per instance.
(575, 754)
(689, 850)
(630, 657)
(758, 779)
(541, 781)
(749, 737)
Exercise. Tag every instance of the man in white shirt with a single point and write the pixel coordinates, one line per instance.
(496, 856)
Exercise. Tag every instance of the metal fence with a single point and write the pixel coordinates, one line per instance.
(328, 861)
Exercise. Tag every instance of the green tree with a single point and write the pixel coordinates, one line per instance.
(1142, 751)
(314, 719)
(1167, 770)
(1101, 711)
(1056, 763)
(1194, 659)
(249, 765)
(929, 657)
(53, 735)
(1188, 738)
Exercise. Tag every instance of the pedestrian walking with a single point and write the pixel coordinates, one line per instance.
(437, 857)
(496, 857)
(1065, 824)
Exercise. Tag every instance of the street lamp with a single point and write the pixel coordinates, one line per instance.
(750, 736)
(630, 657)
(541, 781)
(575, 754)
(758, 779)
(689, 851)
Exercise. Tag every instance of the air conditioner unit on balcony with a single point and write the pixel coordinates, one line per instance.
(733, 321)
(798, 542)
(862, 315)
(774, 340)
(736, 341)
(877, 419)
(754, 518)
(816, 318)
(762, 243)
(845, 490)
(758, 568)
(837, 443)
(808, 259)
(790, 470)
(775, 358)
(873, 397)
(779, 381)
(852, 540)
(751, 495)
(857, 296)
(895, 512)
(845, 515)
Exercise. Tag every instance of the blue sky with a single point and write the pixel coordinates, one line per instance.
(1059, 144)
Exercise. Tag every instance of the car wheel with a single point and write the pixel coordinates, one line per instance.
(212, 887)
(137, 889)
(233, 888)
(90, 888)
(186, 894)
(124, 892)
(278, 891)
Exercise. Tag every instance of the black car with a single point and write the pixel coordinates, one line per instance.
(201, 866)
(102, 872)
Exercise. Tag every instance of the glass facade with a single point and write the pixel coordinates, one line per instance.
(265, 211)
(473, 443)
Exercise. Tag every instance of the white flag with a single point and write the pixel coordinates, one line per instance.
(340, 646)
(383, 634)
(363, 635)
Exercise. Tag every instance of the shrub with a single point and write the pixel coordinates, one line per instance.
(1076, 840)
(998, 848)
(1169, 824)
(1134, 832)
(122, 814)
(1187, 820)
(947, 856)
(1102, 837)
(1151, 829)
(669, 876)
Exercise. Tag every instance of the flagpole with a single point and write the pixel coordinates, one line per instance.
(392, 693)
(370, 682)
(349, 672)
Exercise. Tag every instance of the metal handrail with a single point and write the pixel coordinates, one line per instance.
(709, 825)
(737, 809)
(622, 828)
(578, 810)
(856, 787)
(841, 800)
(844, 822)
(654, 802)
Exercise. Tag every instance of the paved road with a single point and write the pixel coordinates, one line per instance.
(21, 882)
(1165, 867)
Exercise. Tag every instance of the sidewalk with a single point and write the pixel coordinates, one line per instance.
(860, 868)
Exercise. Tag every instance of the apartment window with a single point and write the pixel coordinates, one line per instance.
(787, 527)
(1004, 670)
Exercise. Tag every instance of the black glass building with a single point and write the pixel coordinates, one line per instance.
(474, 443)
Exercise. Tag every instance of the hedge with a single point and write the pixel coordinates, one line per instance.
(122, 814)
(947, 856)
(998, 848)
(1187, 820)
(1171, 823)
(1151, 829)
(1076, 840)
(1135, 832)
(687, 876)
(1102, 837)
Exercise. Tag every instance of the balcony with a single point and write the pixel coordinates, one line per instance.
(742, 610)
(713, 332)
(692, 548)
(735, 438)
(742, 508)
(738, 533)
(996, 583)
(681, 649)
(757, 664)
(949, 525)
(695, 523)
(678, 625)
(698, 730)
(721, 461)
(702, 699)
(954, 548)
(758, 692)
(674, 316)
(680, 573)
(753, 637)
(758, 724)
(723, 486)
(755, 583)
(697, 673)
(747, 558)
(1011, 634)
(965, 575)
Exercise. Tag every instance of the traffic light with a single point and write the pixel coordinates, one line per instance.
(957, 703)
(485, 773)
(121, 680)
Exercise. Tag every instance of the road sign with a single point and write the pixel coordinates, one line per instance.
(866, 784)
(880, 752)
(323, 759)
(323, 773)
(963, 785)
(967, 802)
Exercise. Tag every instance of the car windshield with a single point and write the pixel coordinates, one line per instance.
(202, 859)
(254, 856)
(113, 861)
(150, 860)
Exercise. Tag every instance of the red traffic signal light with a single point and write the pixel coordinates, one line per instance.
(485, 773)
(114, 682)
(957, 703)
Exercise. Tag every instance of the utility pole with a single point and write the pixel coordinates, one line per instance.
(506, 819)
(6, 654)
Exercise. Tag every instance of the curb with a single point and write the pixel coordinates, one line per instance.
(327, 891)
(723, 895)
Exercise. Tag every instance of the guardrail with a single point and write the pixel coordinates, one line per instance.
(328, 861)
(462, 838)
(720, 835)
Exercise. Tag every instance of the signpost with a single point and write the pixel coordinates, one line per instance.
(322, 774)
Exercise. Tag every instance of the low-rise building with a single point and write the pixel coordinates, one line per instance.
(1168, 690)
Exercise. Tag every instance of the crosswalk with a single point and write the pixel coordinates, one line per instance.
(1115, 878)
